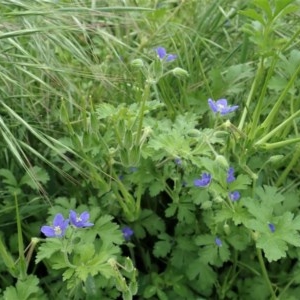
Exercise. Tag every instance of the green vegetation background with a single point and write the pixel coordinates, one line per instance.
(91, 119)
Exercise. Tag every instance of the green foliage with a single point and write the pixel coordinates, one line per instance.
(274, 244)
(25, 289)
(94, 119)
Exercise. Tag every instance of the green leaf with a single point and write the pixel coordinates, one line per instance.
(109, 232)
(239, 238)
(9, 177)
(105, 110)
(242, 182)
(269, 195)
(253, 14)
(205, 239)
(274, 248)
(48, 248)
(265, 6)
(203, 274)
(171, 210)
(156, 187)
(149, 291)
(186, 213)
(152, 222)
(162, 248)
(25, 289)
(275, 244)
(34, 175)
(283, 7)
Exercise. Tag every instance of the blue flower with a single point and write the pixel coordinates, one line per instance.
(57, 229)
(271, 227)
(230, 175)
(234, 196)
(221, 106)
(203, 181)
(162, 54)
(80, 221)
(178, 161)
(218, 242)
(127, 233)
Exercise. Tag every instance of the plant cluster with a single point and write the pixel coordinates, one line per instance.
(161, 139)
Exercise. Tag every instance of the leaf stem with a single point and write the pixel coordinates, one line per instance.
(265, 273)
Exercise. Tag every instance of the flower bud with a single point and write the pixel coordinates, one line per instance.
(221, 160)
(138, 63)
(179, 72)
(227, 229)
(275, 158)
(128, 265)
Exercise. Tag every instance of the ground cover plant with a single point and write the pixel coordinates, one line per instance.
(149, 149)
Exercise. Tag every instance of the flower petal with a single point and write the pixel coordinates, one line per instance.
(212, 105)
(84, 216)
(127, 233)
(218, 242)
(58, 220)
(161, 52)
(221, 103)
(171, 57)
(234, 196)
(203, 181)
(48, 231)
(73, 217)
(271, 227)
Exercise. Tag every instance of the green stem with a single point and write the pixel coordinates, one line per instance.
(141, 114)
(251, 94)
(270, 146)
(287, 170)
(258, 107)
(65, 244)
(269, 120)
(22, 262)
(275, 130)
(265, 273)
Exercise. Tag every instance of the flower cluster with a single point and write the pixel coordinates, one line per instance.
(60, 225)
(234, 195)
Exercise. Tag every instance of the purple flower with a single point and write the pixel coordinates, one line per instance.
(203, 181)
(57, 229)
(221, 106)
(230, 175)
(271, 227)
(178, 161)
(127, 233)
(80, 221)
(218, 242)
(234, 196)
(162, 54)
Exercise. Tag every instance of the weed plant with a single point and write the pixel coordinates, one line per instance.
(149, 149)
